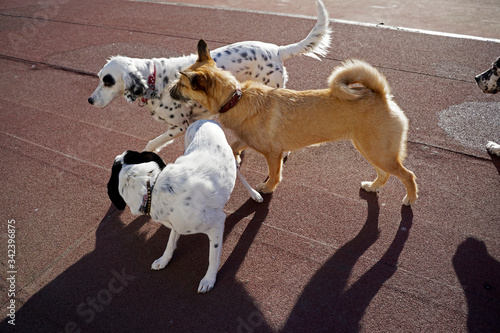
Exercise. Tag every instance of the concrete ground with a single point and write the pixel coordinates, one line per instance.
(319, 255)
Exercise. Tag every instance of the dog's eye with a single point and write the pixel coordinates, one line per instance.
(108, 80)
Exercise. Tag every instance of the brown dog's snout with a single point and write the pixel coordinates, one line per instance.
(176, 94)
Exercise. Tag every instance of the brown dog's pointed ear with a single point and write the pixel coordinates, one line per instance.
(197, 81)
(203, 51)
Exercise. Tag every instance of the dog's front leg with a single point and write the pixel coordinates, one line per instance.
(238, 146)
(215, 234)
(275, 165)
(158, 143)
(163, 261)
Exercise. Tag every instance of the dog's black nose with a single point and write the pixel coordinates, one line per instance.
(91, 100)
(478, 78)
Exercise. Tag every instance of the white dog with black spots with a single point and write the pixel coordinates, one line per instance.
(187, 196)
(146, 80)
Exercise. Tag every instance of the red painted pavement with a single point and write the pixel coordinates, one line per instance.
(319, 255)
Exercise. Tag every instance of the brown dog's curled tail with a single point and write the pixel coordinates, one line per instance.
(356, 79)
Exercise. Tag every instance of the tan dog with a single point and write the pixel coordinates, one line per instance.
(357, 106)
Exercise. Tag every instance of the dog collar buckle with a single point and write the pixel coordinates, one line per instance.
(232, 101)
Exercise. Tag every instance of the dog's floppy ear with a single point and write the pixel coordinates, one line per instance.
(135, 86)
(196, 80)
(113, 183)
(133, 157)
(203, 52)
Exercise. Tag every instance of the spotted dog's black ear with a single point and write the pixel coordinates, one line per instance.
(135, 86)
(130, 157)
(133, 157)
(108, 80)
(113, 190)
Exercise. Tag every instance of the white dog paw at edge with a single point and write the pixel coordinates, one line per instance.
(257, 197)
(493, 148)
(159, 264)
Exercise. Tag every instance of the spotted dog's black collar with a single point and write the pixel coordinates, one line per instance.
(145, 207)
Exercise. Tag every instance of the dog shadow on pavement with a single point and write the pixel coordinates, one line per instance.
(479, 275)
(326, 304)
(113, 289)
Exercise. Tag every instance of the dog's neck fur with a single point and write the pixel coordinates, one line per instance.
(144, 66)
(133, 182)
(229, 85)
(226, 84)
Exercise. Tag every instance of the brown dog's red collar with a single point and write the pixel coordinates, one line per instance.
(232, 101)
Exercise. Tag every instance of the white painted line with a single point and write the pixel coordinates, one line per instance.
(55, 151)
(370, 25)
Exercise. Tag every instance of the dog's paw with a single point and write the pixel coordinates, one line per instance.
(159, 263)
(368, 187)
(206, 284)
(264, 188)
(408, 201)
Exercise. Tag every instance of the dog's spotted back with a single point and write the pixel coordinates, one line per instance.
(147, 80)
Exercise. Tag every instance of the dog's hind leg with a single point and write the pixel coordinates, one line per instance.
(253, 193)
(386, 165)
(408, 179)
(380, 181)
(382, 176)
(215, 234)
(163, 261)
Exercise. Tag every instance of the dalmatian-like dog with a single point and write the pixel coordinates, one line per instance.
(187, 196)
(489, 82)
(146, 80)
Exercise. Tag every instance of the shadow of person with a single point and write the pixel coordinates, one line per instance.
(113, 289)
(326, 304)
(479, 275)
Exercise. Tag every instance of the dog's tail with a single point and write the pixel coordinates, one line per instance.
(317, 41)
(356, 79)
